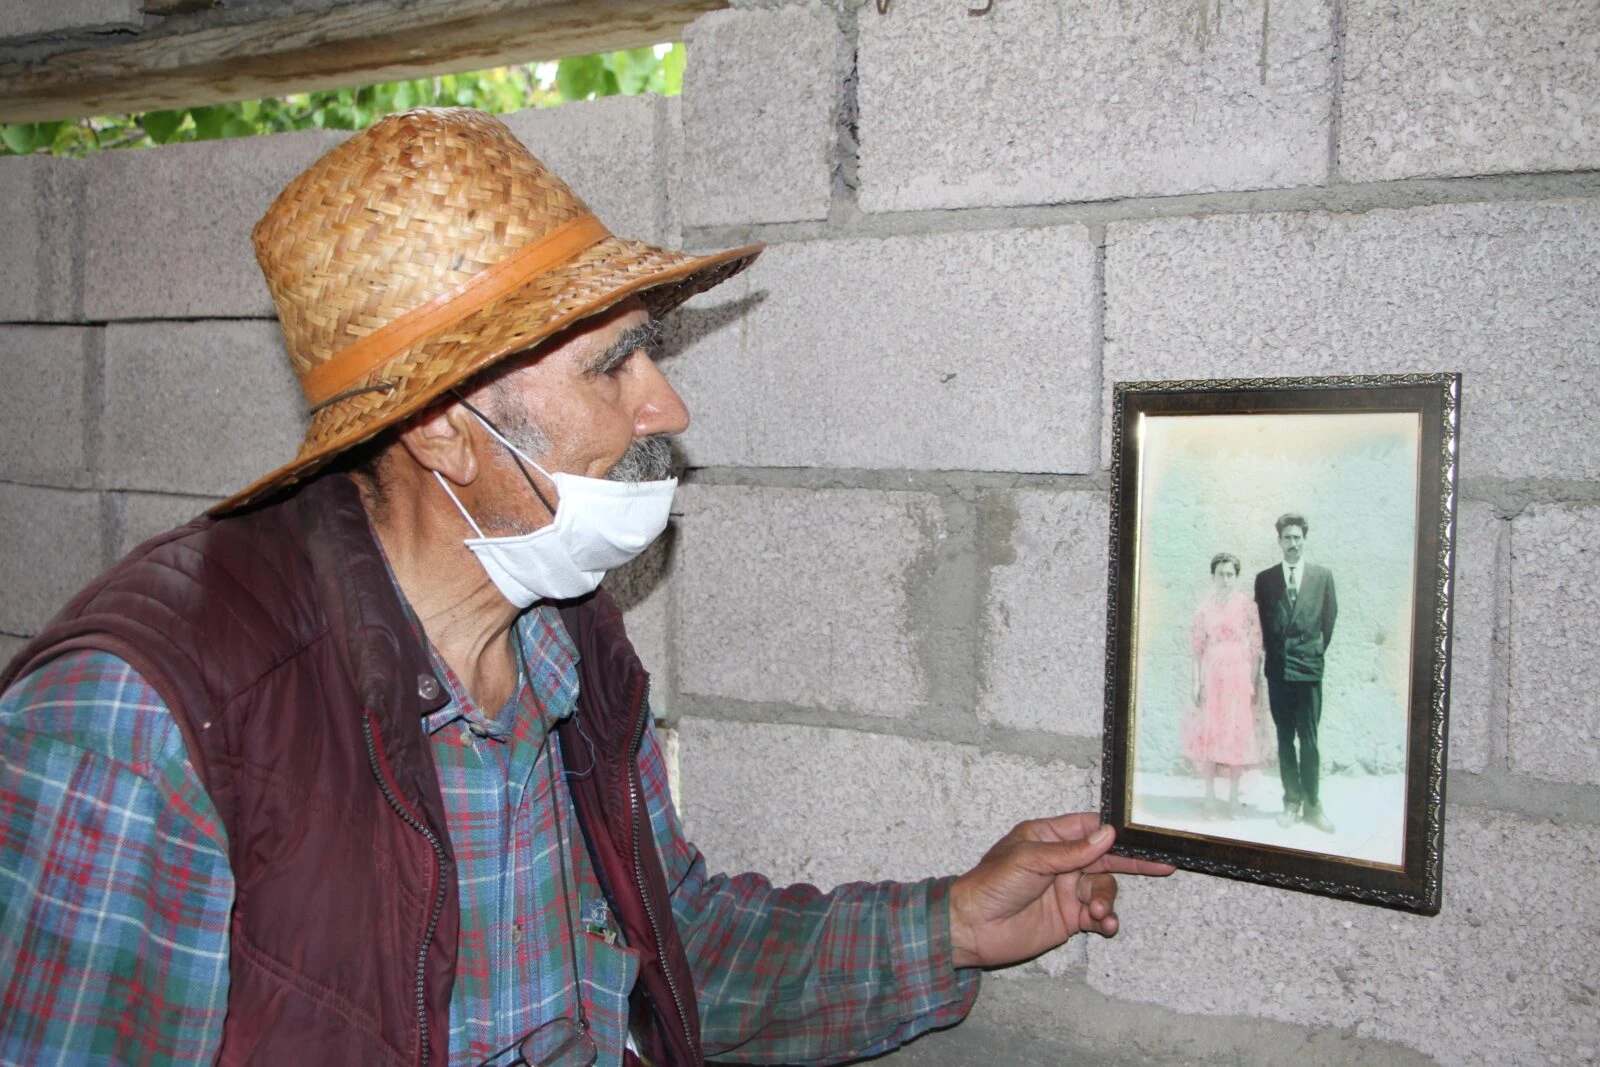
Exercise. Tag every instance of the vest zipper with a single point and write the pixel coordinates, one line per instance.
(438, 877)
(641, 713)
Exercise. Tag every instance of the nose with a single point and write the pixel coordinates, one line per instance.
(659, 409)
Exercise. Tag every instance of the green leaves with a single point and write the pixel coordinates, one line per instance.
(17, 138)
(638, 70)
(28, 137)
(406, 96)
(672, 71)
(585, 77)
(223, 120)
(162, 126)
(634, 70)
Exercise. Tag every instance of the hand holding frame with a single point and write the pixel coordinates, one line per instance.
(1041, 883)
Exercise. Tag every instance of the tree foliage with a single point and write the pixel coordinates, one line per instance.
(638, 70)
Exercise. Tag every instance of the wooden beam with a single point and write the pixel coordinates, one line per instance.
(356, 44)
(177, 7)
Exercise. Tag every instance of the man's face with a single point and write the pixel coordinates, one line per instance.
(579, 408)
(1293, 543)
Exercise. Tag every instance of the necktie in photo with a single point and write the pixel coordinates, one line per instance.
(1294, 586)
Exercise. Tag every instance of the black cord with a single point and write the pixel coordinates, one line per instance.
(509, 451)
(561, 843)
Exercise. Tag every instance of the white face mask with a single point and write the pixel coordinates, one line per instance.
(598, 525)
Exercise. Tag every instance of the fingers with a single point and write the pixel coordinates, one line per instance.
(1080, 853)
(1128, 865)
(1106, 927)
(1081, 826)
(1098, 895)
(1074, 826)
(1099, 892)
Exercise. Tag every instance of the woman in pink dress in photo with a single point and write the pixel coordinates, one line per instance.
(1220, 731)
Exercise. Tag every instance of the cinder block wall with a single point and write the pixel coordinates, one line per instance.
(878, 623)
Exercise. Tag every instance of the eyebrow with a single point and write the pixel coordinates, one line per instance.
(646, 335)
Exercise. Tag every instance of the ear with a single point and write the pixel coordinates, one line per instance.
(441, 439)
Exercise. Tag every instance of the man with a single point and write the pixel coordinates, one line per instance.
(1298, 608)
(278, 788)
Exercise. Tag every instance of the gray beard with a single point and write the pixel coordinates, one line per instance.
(649, 459)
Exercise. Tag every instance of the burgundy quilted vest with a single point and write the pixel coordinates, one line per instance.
(277, 641)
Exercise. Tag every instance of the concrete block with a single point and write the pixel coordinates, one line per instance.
(41, 218)
(52, 540)
(956, 351)
(760, 101)
(800, 803)
(9, 647)
(137, 517)
(168, 230)
(1555, 583)
(799, 596)
(70, 16)
(42, 423)
(671, 116)
(613, 154)
(198, 408)
(20, 283)
(1045, 613)
(1029, 1021)
(1475, 666)
(1501, 292)
(1039, 102)
(1032, 1021)
(1479, 983)
(1484, 88)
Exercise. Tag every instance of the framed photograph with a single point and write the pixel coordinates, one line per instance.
(1278, 630)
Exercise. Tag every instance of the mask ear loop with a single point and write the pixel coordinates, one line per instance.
(517, 459)
(451, 493)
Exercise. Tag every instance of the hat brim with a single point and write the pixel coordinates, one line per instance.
(605, 274)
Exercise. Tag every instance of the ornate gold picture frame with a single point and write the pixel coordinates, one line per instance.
(1278, 630)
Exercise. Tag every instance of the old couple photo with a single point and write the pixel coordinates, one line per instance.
(1277, 640)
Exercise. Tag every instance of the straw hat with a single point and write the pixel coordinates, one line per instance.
(426, 248)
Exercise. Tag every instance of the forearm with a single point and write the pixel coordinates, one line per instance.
(794, 975)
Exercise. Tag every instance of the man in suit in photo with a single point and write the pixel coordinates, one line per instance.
(1298, 607)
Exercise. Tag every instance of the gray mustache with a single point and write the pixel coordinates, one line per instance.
(648, 459)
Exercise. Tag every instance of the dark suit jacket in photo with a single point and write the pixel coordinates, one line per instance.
(1296, 640)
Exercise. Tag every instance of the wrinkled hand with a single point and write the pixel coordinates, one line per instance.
(1043, 882)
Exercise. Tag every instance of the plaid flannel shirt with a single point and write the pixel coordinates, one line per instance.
(115, 893)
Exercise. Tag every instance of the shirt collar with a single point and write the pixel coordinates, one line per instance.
(549, 676)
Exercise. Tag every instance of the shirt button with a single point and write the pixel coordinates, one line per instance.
(516, 934)
(477, 730)
(427, 686)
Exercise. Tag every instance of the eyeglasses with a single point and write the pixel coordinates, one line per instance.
(563, 1042)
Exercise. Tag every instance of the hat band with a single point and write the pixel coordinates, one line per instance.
(356, 360)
